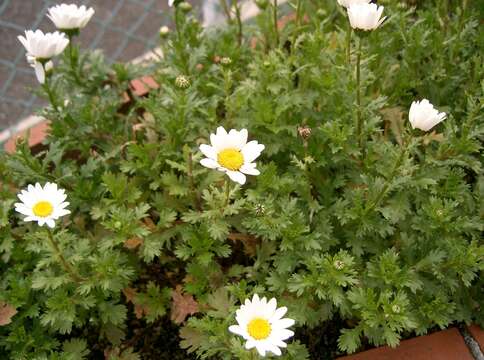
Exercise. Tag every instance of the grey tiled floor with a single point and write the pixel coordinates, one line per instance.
(124, 29)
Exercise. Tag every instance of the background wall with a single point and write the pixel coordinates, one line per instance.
(124, 29)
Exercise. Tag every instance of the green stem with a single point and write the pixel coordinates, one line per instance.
(276, 29)
(177, 25)
(60, 256)
(73, 61)
(49, 92)
(348, 44)
(196, 199)
(298, 13)
(226, 10)
(239, 23)
(359, 120)
(227, 192)
(298, 20)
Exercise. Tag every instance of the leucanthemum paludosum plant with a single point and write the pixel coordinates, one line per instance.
(382, 232)
(43, 205)
(261, 324)
(232, 154)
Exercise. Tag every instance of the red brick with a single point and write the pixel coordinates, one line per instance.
(144, 85)
(443, 345)
(37, 134)
(478, 335)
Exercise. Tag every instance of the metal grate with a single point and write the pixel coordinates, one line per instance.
(124, 29)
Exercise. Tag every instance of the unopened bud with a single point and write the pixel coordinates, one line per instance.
(164, 31)
(185, 7)
(182, 82)
(226, 61)
(304, 132)
(339, 265)
(259, 209)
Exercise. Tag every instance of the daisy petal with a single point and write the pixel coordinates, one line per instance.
(209, 163)
(236, 176)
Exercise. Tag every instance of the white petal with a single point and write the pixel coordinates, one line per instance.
(50, 223)
(249, 169)
(208, 151)
(39, 72)
(236, 176)
(209, 163)
(278, 314)
(251, 151)
(237, 330)
(250, 344)
(284, 323)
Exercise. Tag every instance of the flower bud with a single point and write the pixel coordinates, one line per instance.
(304, 132)
(226, 61)
(424, 116)
(182, 82)
(164, 31)
(185, 7)
(338, 264)
(259, 209)
(321, 13)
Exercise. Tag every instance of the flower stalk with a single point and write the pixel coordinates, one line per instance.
(348, 44)
(73, 59)
(359, 119)
(67, 267)
(238, 17)
(227, 193)
(226, 10)
(50, 93)
(276, 28)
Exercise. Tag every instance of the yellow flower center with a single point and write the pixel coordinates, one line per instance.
(231, 159)
(43, 209)
(259, 328)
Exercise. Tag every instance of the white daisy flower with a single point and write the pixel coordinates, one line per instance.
(260, 322)
(43, 46)
(70, 17)
(365, 16)
(424, 116)
(232, 154)
(42, 204)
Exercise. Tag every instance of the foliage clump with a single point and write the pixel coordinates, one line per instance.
(375, 232)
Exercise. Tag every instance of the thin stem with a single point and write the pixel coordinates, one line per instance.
(298, 20)
(60, 256)
(359, 120)
(73, 60)
(49, 92)
(227, 192)
(226, 10)
(239, 22)
(348, 43)
(276, 29)
(177, 24)
(192, 183)
(298, 13)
